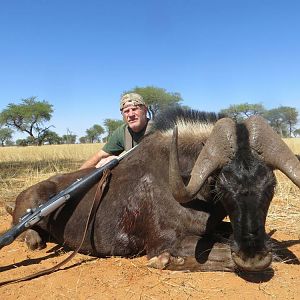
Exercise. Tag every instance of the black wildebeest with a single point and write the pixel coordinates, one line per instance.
(153, 201)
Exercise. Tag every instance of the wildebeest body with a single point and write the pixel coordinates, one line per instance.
(137, 214)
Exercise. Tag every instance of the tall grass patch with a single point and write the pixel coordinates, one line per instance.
(21, 167)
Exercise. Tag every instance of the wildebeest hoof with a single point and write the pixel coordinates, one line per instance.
(33, 240)
(163, 260)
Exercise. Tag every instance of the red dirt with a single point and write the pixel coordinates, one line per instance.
(119, 278)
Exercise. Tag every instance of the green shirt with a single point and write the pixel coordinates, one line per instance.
(116, 143)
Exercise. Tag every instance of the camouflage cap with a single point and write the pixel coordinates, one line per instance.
(131, 99)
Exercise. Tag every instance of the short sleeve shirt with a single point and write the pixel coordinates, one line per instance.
(116, 143)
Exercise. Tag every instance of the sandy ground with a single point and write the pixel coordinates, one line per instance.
(85, 277)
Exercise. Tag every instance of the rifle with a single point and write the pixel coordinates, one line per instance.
(35, 215)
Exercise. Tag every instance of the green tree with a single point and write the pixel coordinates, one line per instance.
(156, 98)
(83, 140)
(29, 141)
(94, 133)
(28, 117)
(69, 138)
(21, 142)
(241, 111)
(5, 136)
(275, 119)
(52, 138)
(283, 119)
(9, 143)
(290, 116)
(296, 132)
(111, 125)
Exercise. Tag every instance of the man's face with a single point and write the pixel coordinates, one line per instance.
(135, 116)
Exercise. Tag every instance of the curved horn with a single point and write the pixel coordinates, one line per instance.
(217, 151)
(274, 151)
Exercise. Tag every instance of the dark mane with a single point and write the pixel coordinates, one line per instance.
(168, 117)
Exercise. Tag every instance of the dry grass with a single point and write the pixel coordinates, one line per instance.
(284, 211)
(294, 144)
(22, 167)
(76, 152)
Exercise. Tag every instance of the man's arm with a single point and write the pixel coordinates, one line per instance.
(113, 145)
(94, 160)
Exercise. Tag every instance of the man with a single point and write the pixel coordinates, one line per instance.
(134, 112)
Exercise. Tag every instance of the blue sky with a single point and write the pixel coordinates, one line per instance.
(81, 55)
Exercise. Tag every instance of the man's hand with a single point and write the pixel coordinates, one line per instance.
(105, 161)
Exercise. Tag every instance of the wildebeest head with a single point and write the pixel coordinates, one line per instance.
(242, 157)
(245, 187)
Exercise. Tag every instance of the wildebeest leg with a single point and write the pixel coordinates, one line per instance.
(163, 260)
(34, 240)
(31, 237)
(215, 210)
(217, 214)
(199, 254)
(175, 256)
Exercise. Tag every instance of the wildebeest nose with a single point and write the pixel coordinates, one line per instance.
(251, 235)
